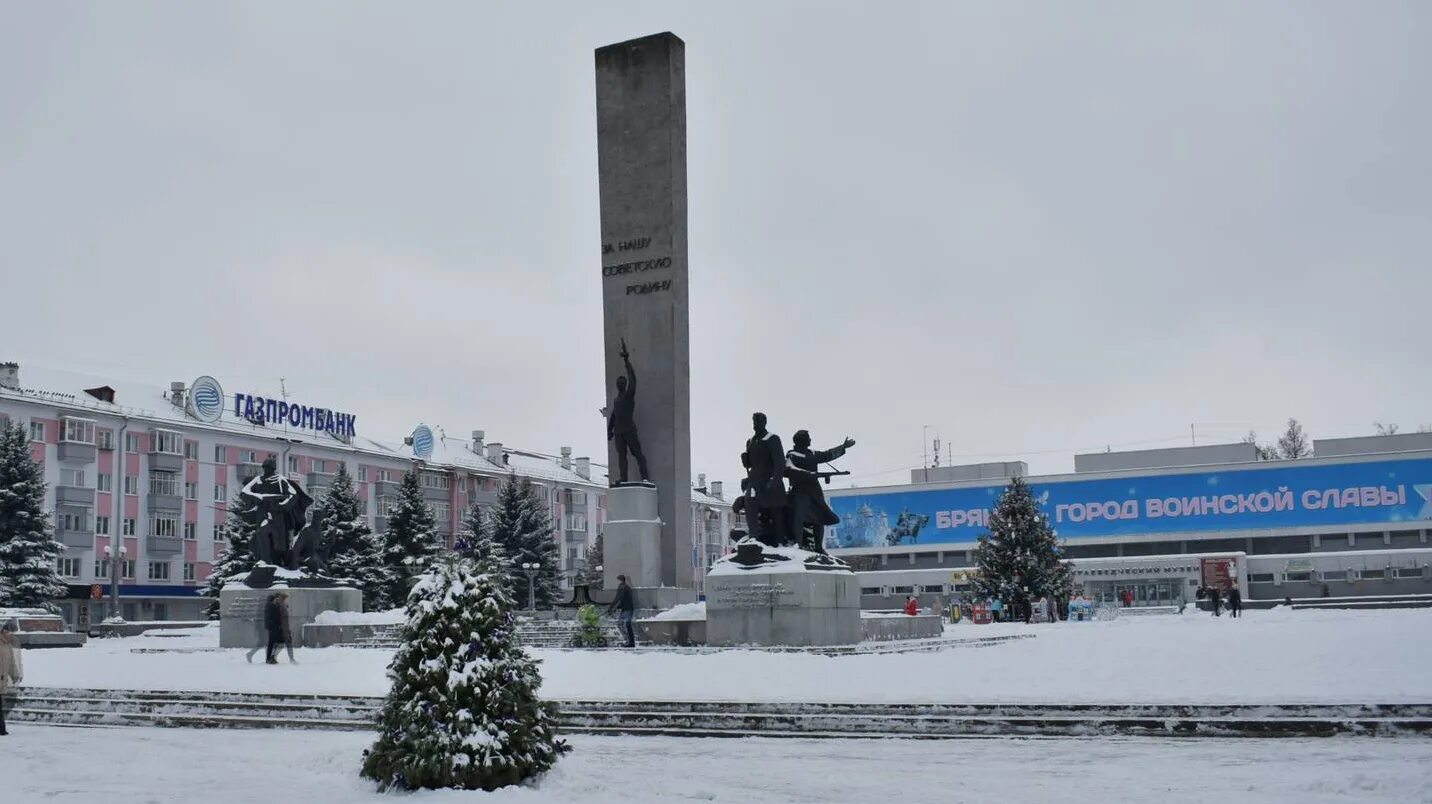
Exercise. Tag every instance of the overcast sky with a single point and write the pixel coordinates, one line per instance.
(1038, 228)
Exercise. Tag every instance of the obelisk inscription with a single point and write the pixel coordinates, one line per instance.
(641, 157)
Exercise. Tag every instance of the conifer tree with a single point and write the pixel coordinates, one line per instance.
(357, 554)
(463, 710)
(28, 550)
(238, 557)
(411, 541)
(476, 542)
(522, 524)
(1020, 552)
(592, 565)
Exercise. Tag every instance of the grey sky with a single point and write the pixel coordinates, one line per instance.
(1036, 227)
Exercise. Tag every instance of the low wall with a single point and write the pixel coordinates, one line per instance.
(881, 628)
(326, 636)
(129, 629)
(30, 640)
(672, 632)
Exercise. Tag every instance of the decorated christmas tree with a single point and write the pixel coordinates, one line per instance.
(238, 556)
(463, 709)
(522, 524)
(357, 554)
(411, 541)
(476, 542)
(1020, 552)
(28, 550)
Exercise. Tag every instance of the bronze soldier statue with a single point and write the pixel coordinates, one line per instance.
(766, 507)
(810, 513)
(621, 422)
(279, 513)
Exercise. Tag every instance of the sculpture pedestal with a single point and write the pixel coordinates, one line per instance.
(241, 609)
(781, 596)
(631, 537)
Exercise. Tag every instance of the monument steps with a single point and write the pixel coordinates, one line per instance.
(81, 707)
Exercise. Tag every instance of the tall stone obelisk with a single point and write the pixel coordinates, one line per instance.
(641, 158)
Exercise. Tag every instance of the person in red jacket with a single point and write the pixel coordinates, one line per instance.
(912, 606)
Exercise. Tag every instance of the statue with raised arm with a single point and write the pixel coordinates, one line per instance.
(810, 513)
(278, 514)
(621, 422)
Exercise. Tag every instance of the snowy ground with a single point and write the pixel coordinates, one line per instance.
(140, 766)
(1278, 656)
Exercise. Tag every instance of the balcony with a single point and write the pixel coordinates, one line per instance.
(436, 494)
(163, 546)
(319, 479)
(248, 471)
(385, 488)
(166, 503)
(166, 462)
(81, 537)
(575, 535)
(74, 495)
(75, 452)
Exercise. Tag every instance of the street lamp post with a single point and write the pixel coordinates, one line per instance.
(531, 569)
(115, 552)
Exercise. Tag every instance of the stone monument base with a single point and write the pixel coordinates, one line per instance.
(631, 538)
(241, 607)
(781, 596)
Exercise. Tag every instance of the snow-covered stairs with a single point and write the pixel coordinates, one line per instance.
(92, 707)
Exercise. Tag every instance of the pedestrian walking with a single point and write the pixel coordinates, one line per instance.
(276, 624)
(625, 608)
(12, 672)
(1235, 602)
(1215, 596)
(261, 636)
(996, 609)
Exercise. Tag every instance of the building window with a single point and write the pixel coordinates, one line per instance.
(73, 478)
(101, 525)
(131, 442)
(385, 505)
(104, 482)
(904, 590)
(218, 532)
(385, 476)
(164, 483)
(168, 442)
(575, 522)
(436, 480)
(188, 571)
(1373, 574)
(104, 439)
(293, 463)
(573, 497)
(126, 569)
(159, 570)
(191, 450)
(101, 568)
(1334, 575)
(70, 521)
(68, 567)
(221, 493)
(191, 491)
(251, 457)
(221, 454)
(362, 474)
(131, 484)
(127, 527)
(37, 431)
(1297, 576)
(936, 589)
(442, 511)
(191, 530)
(1260, 577)
(77, 431)
(164, 526)
(1408, 572)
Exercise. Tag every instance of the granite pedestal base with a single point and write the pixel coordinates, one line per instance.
(631, 538)
(795, 608)
(241, 611)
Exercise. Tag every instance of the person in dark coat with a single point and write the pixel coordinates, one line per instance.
(624, 607)
(276, 624)
(1235, 602)
(765, 462)
(261, 640)
(1215, 597)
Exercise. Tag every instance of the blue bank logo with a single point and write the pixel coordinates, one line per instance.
(423, 442)
(206, 399)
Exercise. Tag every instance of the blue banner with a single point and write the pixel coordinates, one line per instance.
(1279, 495)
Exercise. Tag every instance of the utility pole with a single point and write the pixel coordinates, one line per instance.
(925, 451)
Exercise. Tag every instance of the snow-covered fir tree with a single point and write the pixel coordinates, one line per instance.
(475, 542)
(411, 541)
(28, 550)
(356, 554)
(592, 565)
(238, 554)
(1020, 552)
(522, 524)
(463, 710)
